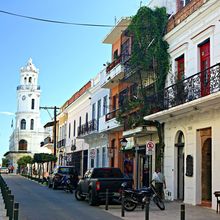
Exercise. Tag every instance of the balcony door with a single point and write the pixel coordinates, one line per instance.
(204, 66)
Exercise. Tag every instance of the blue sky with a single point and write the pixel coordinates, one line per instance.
(67, 56)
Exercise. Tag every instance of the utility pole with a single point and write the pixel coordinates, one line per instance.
(55, 127)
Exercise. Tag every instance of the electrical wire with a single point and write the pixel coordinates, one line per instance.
(58, 22)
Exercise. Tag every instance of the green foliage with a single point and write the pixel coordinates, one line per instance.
(23, 161)
(44, 157)
(5, 162)
(149, 49)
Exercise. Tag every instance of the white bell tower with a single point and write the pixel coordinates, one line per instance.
(28, 133)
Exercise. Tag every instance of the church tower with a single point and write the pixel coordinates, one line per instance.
(28, 133)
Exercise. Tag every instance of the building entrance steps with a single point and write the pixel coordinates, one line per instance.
(172, 212)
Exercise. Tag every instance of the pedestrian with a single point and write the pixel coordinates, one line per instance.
(160, 183)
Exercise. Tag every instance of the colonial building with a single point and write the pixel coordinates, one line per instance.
(28, 134)
(189, 106)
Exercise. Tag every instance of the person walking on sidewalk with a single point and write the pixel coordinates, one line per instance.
(160, 183)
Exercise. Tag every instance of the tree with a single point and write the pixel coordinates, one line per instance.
(5, 162)
(23, 161)
(149, 62)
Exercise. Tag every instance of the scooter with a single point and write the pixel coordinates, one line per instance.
(133, 198)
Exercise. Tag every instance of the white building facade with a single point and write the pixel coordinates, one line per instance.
(191, 106)
(28, 134)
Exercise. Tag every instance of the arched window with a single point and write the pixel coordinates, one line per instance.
(32, 103)
(22, 145)
(23, 124)
(32, 124)
(25, 80)
(30, 80)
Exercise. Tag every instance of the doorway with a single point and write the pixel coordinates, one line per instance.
(207, 172)
(180, 143)
(204, 67)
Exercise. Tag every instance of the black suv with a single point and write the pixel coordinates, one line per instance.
(55, 177)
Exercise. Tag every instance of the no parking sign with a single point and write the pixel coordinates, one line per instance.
(149, 147)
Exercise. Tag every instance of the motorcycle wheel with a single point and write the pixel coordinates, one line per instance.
(129, 205)
(78, 195)
(158, 201)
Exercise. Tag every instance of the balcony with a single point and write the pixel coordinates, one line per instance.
(114, 73)
(199, 90)
(61, 143)
(28, 87)
(88, 128)
(111, 115)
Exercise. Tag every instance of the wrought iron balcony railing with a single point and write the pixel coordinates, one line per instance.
(61, 143)
(113, 64)
(194, 87)
(28, 87)
(111, 115)
(88, 128)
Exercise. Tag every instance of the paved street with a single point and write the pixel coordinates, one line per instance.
(38, 202)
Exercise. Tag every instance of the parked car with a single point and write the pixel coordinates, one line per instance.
(4, 170)
(55, 178)
(95, 182)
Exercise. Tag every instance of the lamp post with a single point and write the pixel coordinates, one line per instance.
(123, 143)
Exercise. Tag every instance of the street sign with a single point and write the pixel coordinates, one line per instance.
(149, 147)
(92, 153)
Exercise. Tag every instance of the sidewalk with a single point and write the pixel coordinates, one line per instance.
(172, 212)
(2, 209)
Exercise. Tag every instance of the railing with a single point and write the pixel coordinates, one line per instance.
(194, 87)
(61, 143)
(88, 127)
(111, 115)
(113, 64)
(31, 87)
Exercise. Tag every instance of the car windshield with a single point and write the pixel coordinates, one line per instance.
(66, 170)
(107, 173)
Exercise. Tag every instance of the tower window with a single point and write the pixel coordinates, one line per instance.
(32, 103)
(32, 124)
(30, 80)
(23, 124)
(22, 145)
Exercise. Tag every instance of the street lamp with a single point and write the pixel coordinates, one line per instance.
(123, 143)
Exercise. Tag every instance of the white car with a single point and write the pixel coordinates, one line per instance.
(4, 170)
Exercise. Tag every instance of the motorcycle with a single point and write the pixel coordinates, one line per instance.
(67, 184)
(133, 198)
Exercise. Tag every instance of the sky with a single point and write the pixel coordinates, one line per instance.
(67, 56)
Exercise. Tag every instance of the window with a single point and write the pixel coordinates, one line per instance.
(115, 55)
(23, 124)
(69, 129)
(30, 80)
(32, 124)
(22, 145)
(125, 51)
(180, 68)
(93, 111)
(104, 157)
(32, 103)
(74, 128)
(105, 105)
(97, 157)
(99, 109)
(123, 96)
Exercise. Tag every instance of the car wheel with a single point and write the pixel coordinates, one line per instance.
(91, 199)
(78, 195)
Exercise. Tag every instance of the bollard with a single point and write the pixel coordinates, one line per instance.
(16, 208)
(10, 208)
(147, 210)
(106, 200)
(122, 204)
(182, 212)
(6, 199)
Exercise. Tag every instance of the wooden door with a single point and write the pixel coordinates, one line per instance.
(180, 68)
(204, 66)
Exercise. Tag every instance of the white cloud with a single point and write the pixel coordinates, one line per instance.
(7, 113)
